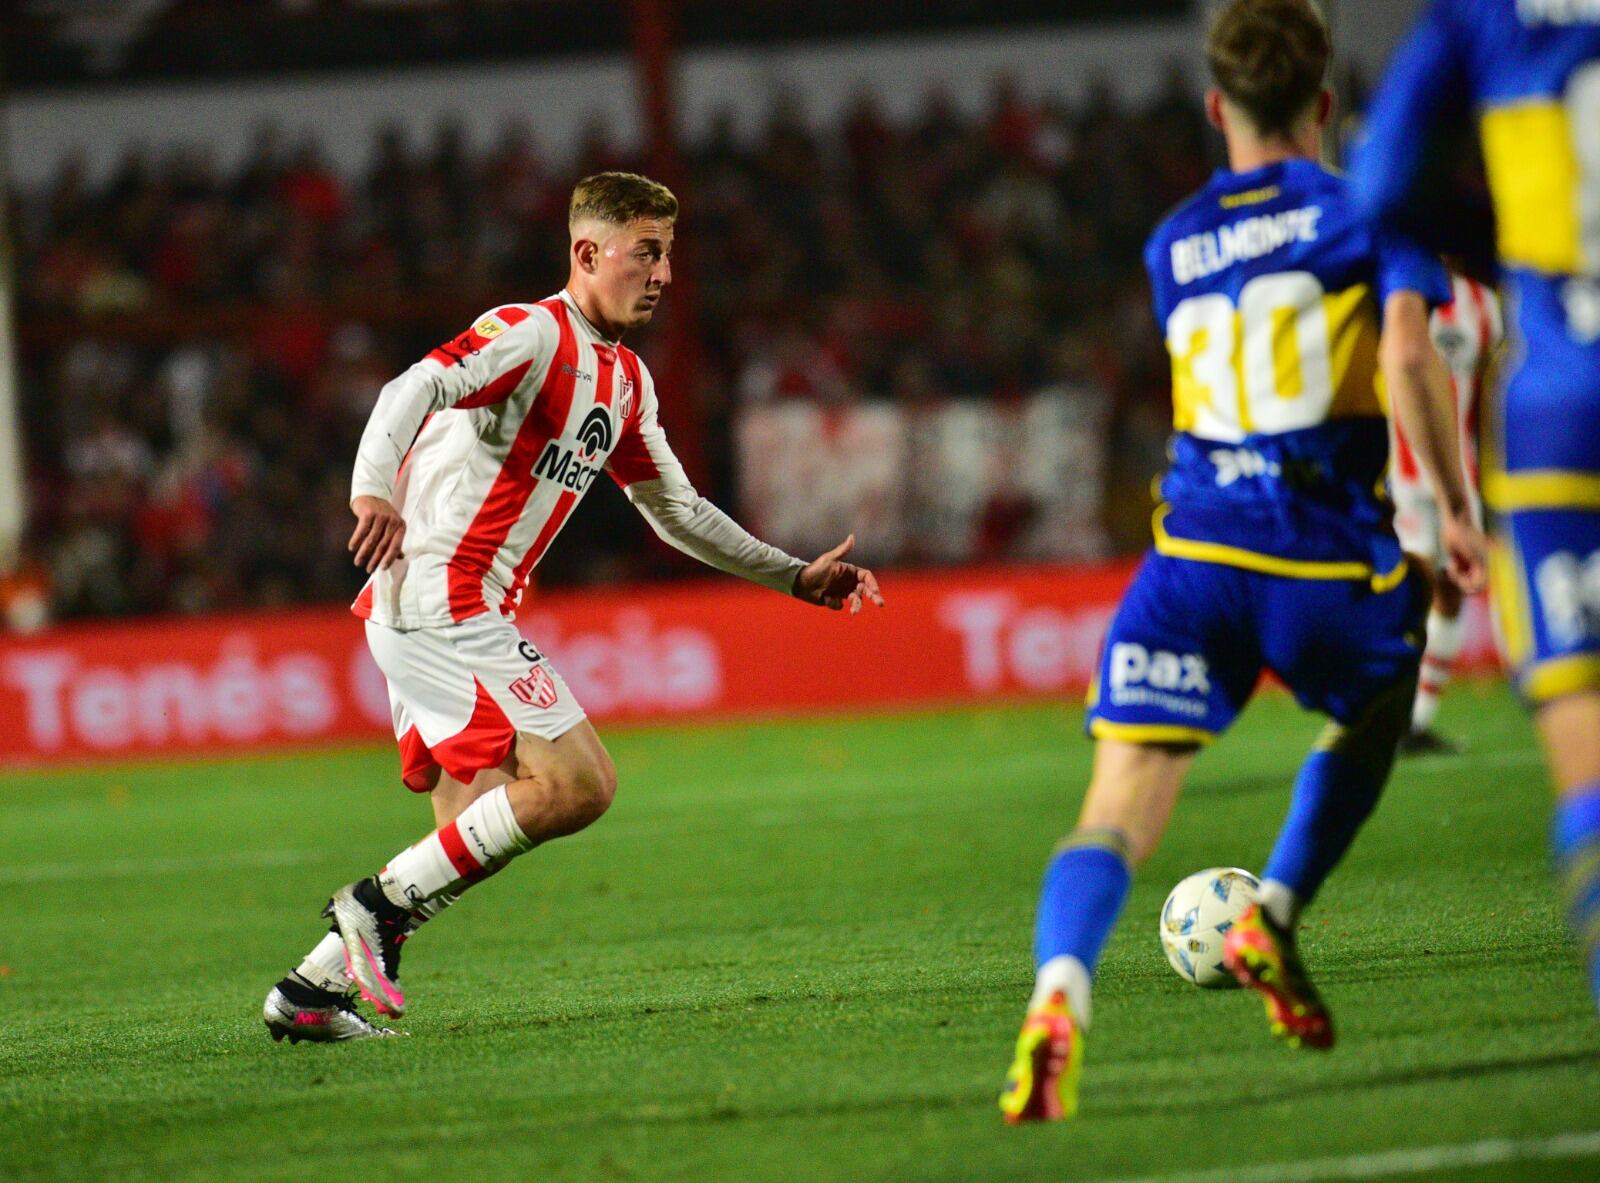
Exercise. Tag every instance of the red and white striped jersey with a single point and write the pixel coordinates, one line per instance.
(1466, 332)
(487, 444)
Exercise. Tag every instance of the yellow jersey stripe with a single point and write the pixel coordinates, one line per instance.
(1149, 732)
(1560, 676)
(1542, 489)
(1249, 560)
(1535, 176)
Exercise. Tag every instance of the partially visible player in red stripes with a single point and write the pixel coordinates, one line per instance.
(473, 460)
(1467, 333)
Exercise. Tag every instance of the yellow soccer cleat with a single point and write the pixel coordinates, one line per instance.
(1043, 1082)
(1262, 956)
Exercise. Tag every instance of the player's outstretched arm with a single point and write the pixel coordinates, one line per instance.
(832, 583)
(1424, 405)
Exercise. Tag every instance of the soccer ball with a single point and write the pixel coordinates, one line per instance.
(1197, 915)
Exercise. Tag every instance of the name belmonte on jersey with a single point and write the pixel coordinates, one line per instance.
(1209, 252)
(1270, 288)
(1558, 12)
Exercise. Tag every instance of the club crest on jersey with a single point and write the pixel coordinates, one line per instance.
(625, 399)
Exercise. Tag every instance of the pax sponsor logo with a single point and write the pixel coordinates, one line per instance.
(1569, 593)
(1176, 682)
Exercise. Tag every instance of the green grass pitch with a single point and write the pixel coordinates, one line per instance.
(793, 951)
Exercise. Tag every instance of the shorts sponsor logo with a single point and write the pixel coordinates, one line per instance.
(529, 654)
(1234, 463)
(1176, 682)
(1569, 593)
(537, 688)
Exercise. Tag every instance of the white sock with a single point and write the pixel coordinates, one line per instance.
(1064, 975)
(1438, 660)
(1280, 903)
(324, 965)
(456, 856)
(428, 909)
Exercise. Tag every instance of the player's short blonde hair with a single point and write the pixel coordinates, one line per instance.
(1270, 58)
(619, 198)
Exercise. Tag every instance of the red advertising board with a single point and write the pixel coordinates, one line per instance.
(708, 649)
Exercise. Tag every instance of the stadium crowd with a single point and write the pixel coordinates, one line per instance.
(200, 349)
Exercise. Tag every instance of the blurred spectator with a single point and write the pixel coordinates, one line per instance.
(201, 350)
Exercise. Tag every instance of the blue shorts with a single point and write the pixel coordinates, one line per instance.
(1190, 641)
(1546, 587)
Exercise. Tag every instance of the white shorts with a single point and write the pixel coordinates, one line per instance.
(461, 695)
(1416, 519)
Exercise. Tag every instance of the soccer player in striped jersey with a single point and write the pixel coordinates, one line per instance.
(1528, 72)
(1274, 549)
(471, 463)
(1467, 332)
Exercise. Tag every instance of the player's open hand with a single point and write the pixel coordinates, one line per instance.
(833, 583)
(379, 532)
(1466, 553)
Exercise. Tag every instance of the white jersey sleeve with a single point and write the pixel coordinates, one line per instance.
(644, 465)
(479, 368)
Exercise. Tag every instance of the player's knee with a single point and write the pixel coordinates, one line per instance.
(586, 787)
(1370, 740)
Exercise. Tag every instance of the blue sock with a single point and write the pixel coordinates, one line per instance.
(1333, 795)
(1085, 887)
(1575, 839)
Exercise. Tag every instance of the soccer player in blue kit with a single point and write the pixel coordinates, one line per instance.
(1274, 548)
(1528, 71)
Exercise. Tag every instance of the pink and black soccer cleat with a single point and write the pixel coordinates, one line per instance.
(1262, 956)
(296, 1011)
(1043, 1082)
(373, 929)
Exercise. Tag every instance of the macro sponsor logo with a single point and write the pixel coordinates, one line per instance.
(558, 463)
(594, 437)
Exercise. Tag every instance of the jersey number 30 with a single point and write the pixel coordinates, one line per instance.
(1264, 366)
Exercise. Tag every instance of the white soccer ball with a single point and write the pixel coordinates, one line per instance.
(1197, 915)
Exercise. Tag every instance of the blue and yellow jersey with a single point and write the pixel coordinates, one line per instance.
(1529, 73)
(1270, 287)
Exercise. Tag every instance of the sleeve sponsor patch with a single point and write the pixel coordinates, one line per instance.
(489, 327)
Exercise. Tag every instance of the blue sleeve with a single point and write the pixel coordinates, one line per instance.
(1426, 78)
(1403, 266)
(1158, 266)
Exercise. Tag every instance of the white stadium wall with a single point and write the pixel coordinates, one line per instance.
(562, 99)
